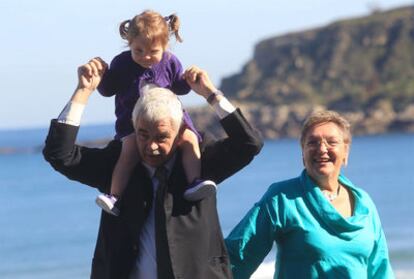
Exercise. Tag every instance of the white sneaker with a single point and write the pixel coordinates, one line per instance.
(200, 189)
(107, 203)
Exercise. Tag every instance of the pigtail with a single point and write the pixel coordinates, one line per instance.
(174, 25)
(123, 29)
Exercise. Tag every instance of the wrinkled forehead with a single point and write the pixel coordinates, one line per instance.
(161, 125)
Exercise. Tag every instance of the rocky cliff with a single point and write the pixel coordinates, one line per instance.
(361, 67)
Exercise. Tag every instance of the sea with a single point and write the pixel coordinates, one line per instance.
(48, 224)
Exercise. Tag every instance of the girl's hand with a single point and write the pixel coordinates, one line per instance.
(199, 81)
(90, 74)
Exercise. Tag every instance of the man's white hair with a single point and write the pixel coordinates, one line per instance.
(155, 104)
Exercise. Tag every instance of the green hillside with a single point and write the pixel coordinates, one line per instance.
(362, 67)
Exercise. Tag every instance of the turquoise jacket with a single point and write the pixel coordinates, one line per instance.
(313, 239)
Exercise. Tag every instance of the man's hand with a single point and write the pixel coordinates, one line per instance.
(199, 81)
(90, 74)
(89, 77)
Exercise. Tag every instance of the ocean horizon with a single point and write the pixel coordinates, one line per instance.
(49, 223)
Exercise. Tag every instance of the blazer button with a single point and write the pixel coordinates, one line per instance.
(135, 248)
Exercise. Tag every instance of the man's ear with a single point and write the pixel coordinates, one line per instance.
(180, 134)
(181, 130)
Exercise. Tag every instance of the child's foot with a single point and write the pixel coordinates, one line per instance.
(107, 203)
(200, 189)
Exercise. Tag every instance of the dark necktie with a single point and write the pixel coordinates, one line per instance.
(161, 175)
(163, 257)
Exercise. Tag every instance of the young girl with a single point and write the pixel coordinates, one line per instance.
(148, 62)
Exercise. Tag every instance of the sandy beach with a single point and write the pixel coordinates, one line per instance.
(266, 270)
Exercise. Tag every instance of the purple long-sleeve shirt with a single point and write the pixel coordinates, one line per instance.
(123, 79)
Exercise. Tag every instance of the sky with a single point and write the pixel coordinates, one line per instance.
(43, 43)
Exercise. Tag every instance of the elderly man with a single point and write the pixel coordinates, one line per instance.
(158, 234)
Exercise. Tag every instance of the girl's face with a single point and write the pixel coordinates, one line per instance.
(146, 53)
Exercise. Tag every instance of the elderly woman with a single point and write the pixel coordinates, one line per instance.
(324, 226)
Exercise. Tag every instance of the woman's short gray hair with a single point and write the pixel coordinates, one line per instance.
(157, 103)
(325, 116)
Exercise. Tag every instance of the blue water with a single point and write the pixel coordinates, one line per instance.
(48, 224)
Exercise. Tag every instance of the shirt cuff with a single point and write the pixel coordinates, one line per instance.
(223, 107)
(71, 114)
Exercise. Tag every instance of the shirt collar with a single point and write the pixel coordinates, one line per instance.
(168, 165)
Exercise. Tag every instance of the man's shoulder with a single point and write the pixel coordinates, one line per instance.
(61, 131)
(208, 139)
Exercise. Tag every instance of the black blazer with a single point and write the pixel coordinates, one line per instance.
(189, 240)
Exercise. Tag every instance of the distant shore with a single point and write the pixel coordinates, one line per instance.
(37, 149)
(19, 150)
(10, 150)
